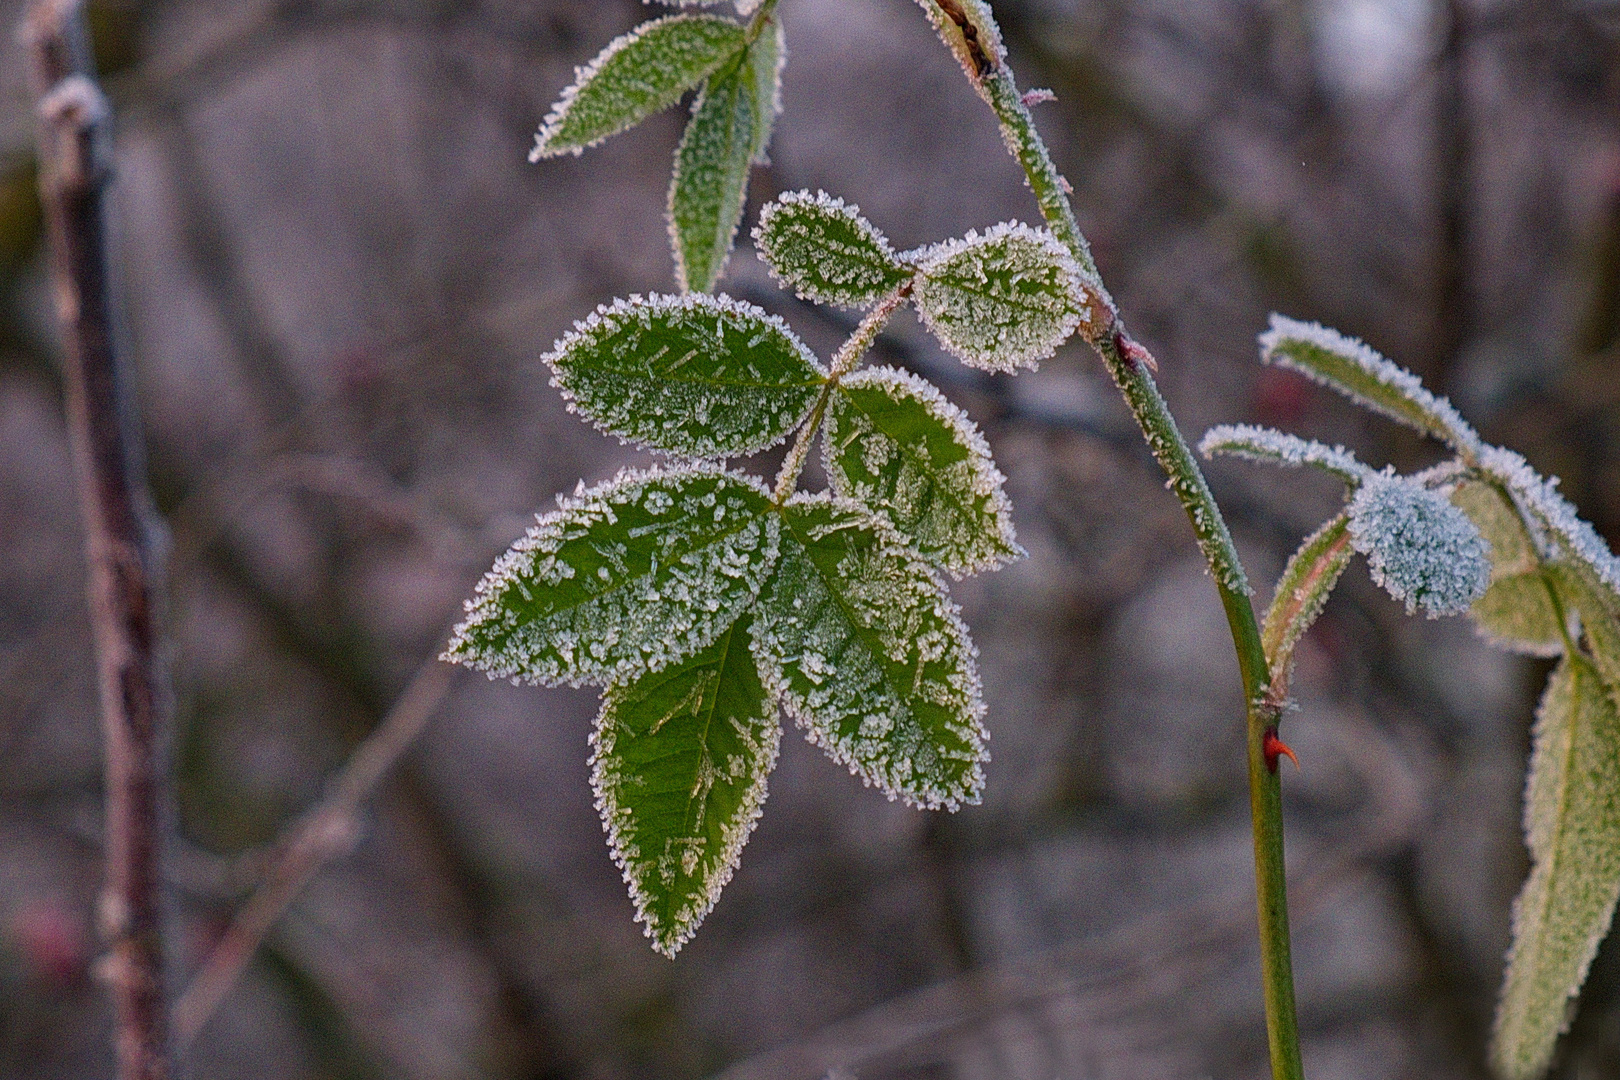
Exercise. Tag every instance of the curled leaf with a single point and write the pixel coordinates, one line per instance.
(638, 74)
(1359, 372)
(1000, 301)
(1280, 448)
(1421, 549)
(703, 376)
(625, 578)
(826, 251)
(1302, 592)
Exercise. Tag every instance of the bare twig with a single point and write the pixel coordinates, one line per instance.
(120, 532)
(327, 832)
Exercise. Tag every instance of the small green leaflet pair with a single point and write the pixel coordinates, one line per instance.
(1482, 533)
(705, 602)
(736, 69)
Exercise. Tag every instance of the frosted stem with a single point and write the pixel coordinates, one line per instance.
(1129, 364)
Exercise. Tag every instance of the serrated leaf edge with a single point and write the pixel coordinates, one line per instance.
(988, 479)
(584, 73)
(833, 205)
(1269, 445)
(775, 678)
(615, 816)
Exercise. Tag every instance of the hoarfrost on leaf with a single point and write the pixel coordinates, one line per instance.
(626, 578)
(703, 376)
(826, 251)
(1270, 445)
(1572, 827)
(1573, 537)
(638, 74)
(1359, 372)
(730, 125)
(1517, 610)
(894, 444)
(1424, 551)
(1000, 301)
(1303, 590)
(681, 757)
(869, 655)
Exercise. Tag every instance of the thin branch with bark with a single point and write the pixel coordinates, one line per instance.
(121, 533)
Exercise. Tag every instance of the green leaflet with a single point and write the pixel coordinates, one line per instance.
(1279, 448)
(1000, 301)
(826, 251)
(1516, 612)
(1572, 826)
(730, 126)
(1303, 590)
(638, 74)
(679, 771)
(893, 443)
(1357, 371)
(626, 578)
(703, 376)
(869, 656)
(1599, 610)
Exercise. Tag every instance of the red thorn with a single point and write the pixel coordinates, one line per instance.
(1274, 748)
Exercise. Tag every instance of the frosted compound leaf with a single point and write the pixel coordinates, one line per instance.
(704, 376)
(1303, 590)
(1270, 445)
(1421, 549)
(870, 656)
(628, 577)
(681, 757)
(1571, 536)
(1517, 610)
(1359, 372)
(1572, 827)
(1000, 301)
(710, 180)
(638, 74)
(826, 251)
(894, 444)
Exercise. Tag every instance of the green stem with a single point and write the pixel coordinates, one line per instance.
(1129, 363)
(844, 360)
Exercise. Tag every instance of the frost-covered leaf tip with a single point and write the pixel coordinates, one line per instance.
(826, 251)
(1574, 537)
(870, 657)
(679, 771)
(1517, 610)
(1000, 301)
(703, 376)
(638, 74)
(1572, 827)
(1278, 447)
(730, 125)
(1421, 549)
(1359, 372)
(894, 444)
(625, 578)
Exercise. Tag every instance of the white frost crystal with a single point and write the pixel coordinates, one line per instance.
(1278, 447)
(1574, 537)
(1357, 370)
(1000, 301)
(1424, 551)
(826, 251)
(625, 578)
(703, 376)
(638, 74)
(869, 655)
(896, 445)
(681, 757)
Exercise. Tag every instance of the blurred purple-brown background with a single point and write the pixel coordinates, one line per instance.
(338, 274)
